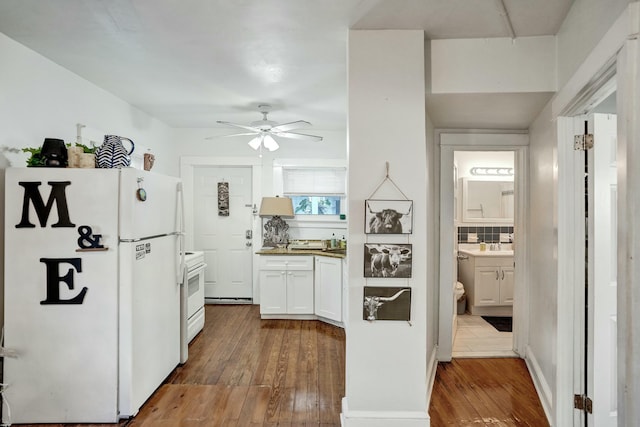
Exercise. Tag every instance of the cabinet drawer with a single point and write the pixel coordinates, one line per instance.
(279, 262)
(494, 261)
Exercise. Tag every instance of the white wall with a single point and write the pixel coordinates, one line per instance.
(39, 99)
(433, 257)
(543, 247)
(386, 360)
(494, 65)
(584, 26)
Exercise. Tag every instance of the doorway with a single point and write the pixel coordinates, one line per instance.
(595, 259)
(223, 216)
(207, 226)
(484, 237)
(479, 142)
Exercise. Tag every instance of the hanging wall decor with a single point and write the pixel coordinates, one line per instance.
(383, 216)
(386, 303)
(387, 260)
(388, 216)
(223, 199)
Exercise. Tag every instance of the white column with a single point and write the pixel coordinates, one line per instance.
(386, 361)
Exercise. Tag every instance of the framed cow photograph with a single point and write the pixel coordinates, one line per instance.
(389, 260)
(388, 216)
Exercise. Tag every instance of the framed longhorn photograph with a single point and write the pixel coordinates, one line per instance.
(388, 216)
(387, 260)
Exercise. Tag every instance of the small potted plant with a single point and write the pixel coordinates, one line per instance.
(81, 156)
(36, 158)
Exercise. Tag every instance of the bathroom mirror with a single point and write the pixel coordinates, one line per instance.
(487, 201)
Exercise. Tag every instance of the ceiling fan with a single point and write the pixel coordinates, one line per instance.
(265, 130)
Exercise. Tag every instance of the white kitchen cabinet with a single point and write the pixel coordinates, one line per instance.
(286, 285)
(488, 281)
(328, 288)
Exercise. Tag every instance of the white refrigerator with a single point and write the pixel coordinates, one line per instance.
(92, 292)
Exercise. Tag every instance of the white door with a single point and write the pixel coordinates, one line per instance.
(602, 259)
(224, 239)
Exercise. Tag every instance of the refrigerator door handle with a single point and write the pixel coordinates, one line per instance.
(181, 266)
(155, 236)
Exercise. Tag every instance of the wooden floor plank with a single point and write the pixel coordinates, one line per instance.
(496, 392)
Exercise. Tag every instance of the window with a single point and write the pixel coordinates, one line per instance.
(315, 191)
(316, 205)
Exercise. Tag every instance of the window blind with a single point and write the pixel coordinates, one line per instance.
(309, 181)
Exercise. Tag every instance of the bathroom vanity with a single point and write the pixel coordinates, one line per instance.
(488, 279)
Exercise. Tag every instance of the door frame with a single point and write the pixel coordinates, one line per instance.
(187, 167)
(617, 54)
(480, 140)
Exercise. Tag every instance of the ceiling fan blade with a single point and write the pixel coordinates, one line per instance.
(294, 135)
(290, 126)
(235, 125)
(232, 135)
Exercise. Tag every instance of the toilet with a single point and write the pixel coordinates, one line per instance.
(458, 292)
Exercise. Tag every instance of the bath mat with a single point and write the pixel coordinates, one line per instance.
(502, 324)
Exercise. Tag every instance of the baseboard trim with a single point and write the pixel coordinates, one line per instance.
(382, 418)
(541, 385)
(431, 374)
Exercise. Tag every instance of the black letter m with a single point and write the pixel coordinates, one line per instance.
(57, 196)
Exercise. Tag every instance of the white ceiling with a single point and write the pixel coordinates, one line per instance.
(192, 62)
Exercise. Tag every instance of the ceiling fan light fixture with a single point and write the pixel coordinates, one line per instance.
(265, 130)
(270, 143)
(255, 142)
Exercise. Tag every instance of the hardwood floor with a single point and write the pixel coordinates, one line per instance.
(243, 371)
(482, 392)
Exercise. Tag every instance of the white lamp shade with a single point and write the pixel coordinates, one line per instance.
(276, 206)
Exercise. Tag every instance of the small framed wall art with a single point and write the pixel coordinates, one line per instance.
(388, 216)
(386, 303)
(387, 260)
(223, 199)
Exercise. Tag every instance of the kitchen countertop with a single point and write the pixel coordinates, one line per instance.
(332, 253)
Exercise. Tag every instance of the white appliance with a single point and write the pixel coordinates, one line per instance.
(92, 291)
(192, 313)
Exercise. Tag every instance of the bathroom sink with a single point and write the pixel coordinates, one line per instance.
(478, 252)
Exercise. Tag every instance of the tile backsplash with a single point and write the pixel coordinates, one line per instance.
(490, 234)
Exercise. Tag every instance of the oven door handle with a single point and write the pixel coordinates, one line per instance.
(197, 270)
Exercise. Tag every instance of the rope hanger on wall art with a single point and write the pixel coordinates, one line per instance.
(387, 178)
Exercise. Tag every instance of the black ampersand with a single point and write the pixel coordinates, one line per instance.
(87, 239)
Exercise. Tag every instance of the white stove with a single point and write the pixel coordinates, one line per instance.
(192, 313)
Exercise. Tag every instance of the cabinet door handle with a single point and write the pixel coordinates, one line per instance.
(497, 275)
(502, 274)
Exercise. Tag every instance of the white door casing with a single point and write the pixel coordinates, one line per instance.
(460, 141)
(602, 272)
(223, 239)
